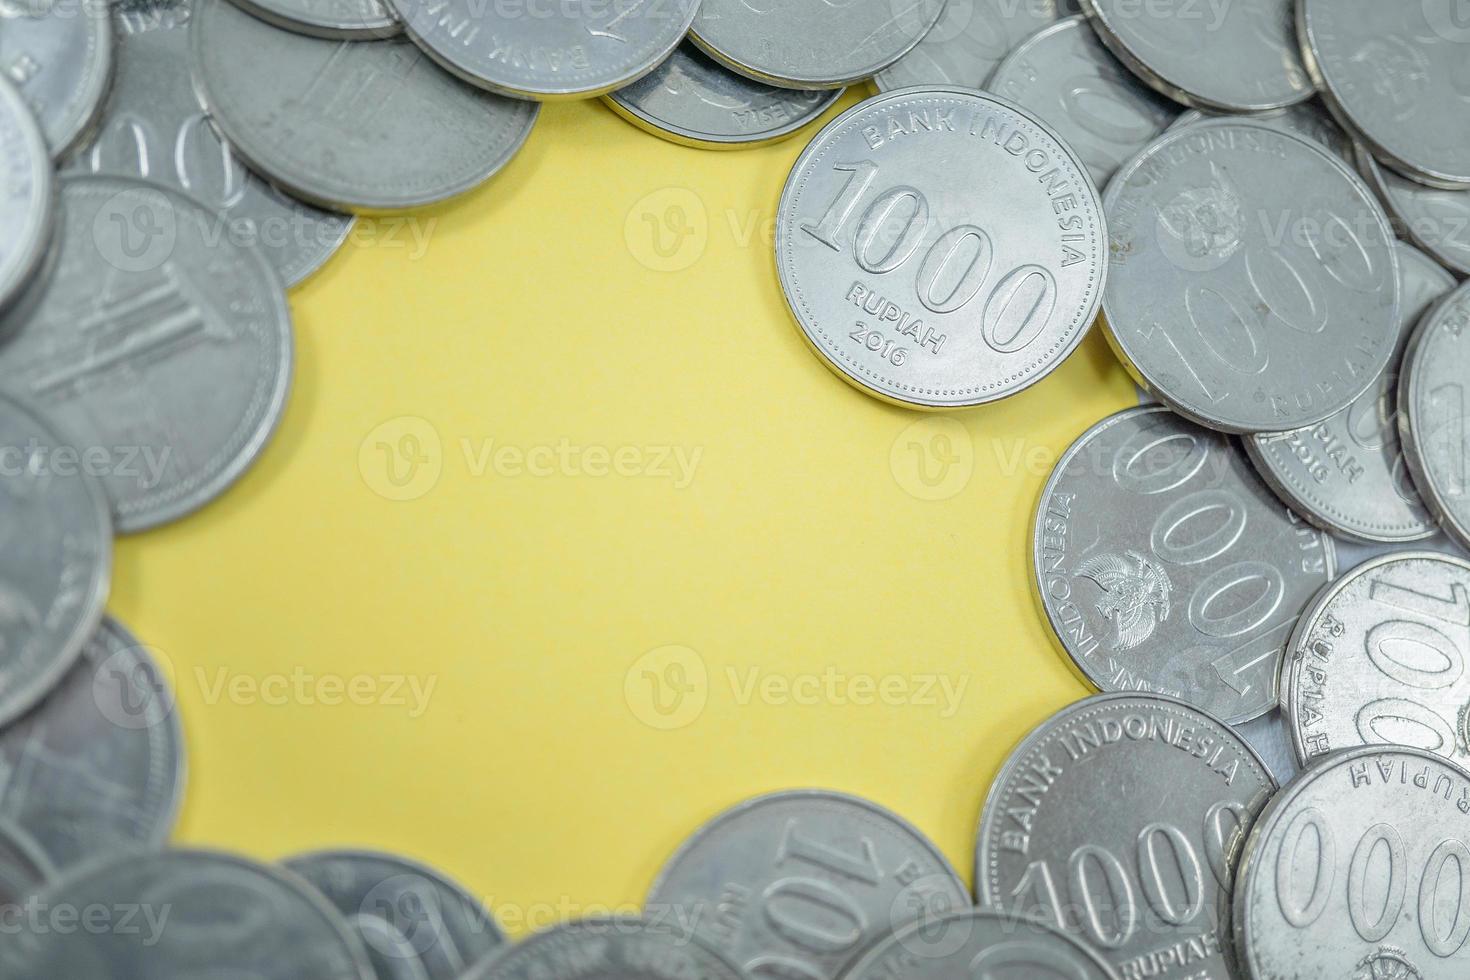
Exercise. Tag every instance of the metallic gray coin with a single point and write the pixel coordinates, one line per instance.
(744, 878)
(1309, 120)
(160, 346)
(1272, 742)
(1164, 564)
(1347, 474)
(24, 869)
(576, 51)
(414, 922)
(980, 943)
(27, 194)
(1438, 221)
(1398, 76)
(60, 56)
(340, 20)
(922, 286)
(55, 558)
(1066, 76)
(98, 767)
(1434, 415)
(1379, 659)
(1359, 869)
(817, 44)
(154, 128)
(356, 126)
(183, 915)
(691, 99)
(607, 949)
(1245, 302)
(1119, 821)
(971, 38)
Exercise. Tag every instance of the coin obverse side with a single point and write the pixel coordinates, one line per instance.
(1164, 564)
(922, 286)
(690, 99)
(1119, 821)
(1309, 120)
(1438, 221)
(1358, 870)
(1244, 302)
(27, 195)
(971, 38)
(1397, 75)
(61, 59)
(338, 20)
(1433, 415)
(607, 949)
(370, 126)
(1347, 475)
(747, 879)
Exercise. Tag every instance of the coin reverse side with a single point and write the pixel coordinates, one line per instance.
(1433, 411)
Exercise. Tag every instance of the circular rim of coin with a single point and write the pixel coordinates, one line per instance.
(71, 131)
(571, 929)
(1373, 172)
(322, 27)
(37, 234)
(1409, 434)
(1082, 322)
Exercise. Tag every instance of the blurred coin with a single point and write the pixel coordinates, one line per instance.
(1359, 870)
(1347, 474)
(608, 949)
(27, 194)
(161, 347)
(970, 39)
(356, 126)
(979, 943)
(690, 99)
(1309, 120)
(917, 283)
(1398, 75)
(154, 128)
(23, 869)
(1066, 76)
(1433, 413)
(817, 44)
(749, 881)
(339, 20)
(1165, 565)
(414, 922)
(60, 56)
(1245, 302)
(1234, 57)
(1438, 221)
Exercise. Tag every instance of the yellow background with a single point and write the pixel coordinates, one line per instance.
(541, 312)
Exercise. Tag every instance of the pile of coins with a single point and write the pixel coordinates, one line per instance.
(1265, 204)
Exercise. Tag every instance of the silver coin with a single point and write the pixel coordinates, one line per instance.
(161, 347)
(1066, 76)
(338, 20)
(154, 128)
(414, 922)
(743, 880)
(817, 44)
(24, 869)
(607, 949)
(691, 99)
(27, 194)
(970, 39)
(98, 767)
(1272, 742)
(1398, 76)
(1359, 870)
(1433, 412)
(1245, 302)
(55, 558)
(1119, 821)
(1438, 221)
(1347, 474)
(980, 943)
(350, 125)
(1309, 120)
(922, 286)
(60, 57)
(183, 915)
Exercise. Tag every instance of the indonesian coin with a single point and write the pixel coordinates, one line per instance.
(355, 126)
(341, 20)
(1359, 869)
(1165, 565)
(1245, 302)
(1269, 737)
(160, 346)
(1433, 413)
(1066, 76)
(1119, 821)
(607, 949)
(55, 558)
(980, 943)
(1397, 75)
(1438, 221)
(24, 869)
(921, 285)
(1309, 120)
(807, 878)
(27, 194)
(691, 99)
(1347, 475)
(59, 54)
(971, 38)
(1234, 57)
(414, 922)
(817, 44)
(154, 128)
